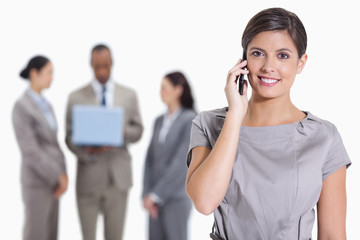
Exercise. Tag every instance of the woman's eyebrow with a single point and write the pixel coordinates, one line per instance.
(256, 48)
(284, 49)
(262, 50)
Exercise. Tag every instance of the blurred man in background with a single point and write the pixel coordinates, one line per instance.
(104, 173)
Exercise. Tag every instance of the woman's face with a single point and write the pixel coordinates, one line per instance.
(273, 63)
(169, 93)
(43, 78)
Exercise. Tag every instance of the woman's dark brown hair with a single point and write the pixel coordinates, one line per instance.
(176, 79)
(275, 19)
(37, 62)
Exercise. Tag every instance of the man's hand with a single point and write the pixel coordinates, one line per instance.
(98, 150)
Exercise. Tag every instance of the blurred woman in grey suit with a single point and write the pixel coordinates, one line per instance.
(164, 194)
(43, 172)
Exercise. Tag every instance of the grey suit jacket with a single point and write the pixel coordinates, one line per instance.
(95, 171)
(42, 159)
(165, 164)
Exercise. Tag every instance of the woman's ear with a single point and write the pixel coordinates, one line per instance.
(179, 90)
(301, 63)
(33, 73)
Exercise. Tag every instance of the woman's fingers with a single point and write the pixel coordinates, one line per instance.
(233, 76)
(240, 64)
(154, 212)
(231, 91)
(236, 71)
(245, 88)
(58, 192)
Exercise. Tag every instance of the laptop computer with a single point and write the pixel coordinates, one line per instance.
(97, 126)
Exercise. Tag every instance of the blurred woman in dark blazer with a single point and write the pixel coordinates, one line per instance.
(164, 194)
(43, 172)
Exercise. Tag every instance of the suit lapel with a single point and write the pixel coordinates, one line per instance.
(159, 149)
(164, 150)
(118, 101)
(90, 95)
(157, 130)
(38, 114)
(174, 128)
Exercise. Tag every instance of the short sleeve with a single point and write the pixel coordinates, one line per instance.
(197, 137)
(337, 156)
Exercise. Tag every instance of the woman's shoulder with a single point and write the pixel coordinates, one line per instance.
(210, 114)
(211, 118)
(23, 106)
(318, 125)
(188, 113)
(22, 102)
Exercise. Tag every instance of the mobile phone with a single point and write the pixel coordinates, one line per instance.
(241, 77)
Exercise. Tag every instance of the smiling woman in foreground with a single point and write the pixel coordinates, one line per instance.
(262, 165)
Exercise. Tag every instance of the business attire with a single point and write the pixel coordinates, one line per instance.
(165, 175)
(42, 165)
(103, 180)
(277, 175)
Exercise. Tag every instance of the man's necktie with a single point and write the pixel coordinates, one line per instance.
(103, 100)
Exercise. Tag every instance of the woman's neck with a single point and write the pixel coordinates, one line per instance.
(173, 107)
(271, 112)
(35, 88)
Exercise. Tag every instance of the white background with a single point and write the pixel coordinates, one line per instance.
(149, 39)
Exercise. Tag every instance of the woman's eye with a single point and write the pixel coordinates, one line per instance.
(283, 56)
(257, 54)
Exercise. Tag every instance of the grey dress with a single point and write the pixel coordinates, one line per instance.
(277, 175)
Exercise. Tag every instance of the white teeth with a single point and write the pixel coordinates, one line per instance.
(266, 80)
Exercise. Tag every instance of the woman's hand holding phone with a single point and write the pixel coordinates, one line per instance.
(237, 103)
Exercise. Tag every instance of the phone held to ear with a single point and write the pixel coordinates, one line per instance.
(241, 77)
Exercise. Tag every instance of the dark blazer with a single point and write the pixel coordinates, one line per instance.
(42, 159)
(94, 172)
(165, 164)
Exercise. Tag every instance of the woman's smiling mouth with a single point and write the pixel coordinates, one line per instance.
(268, 82)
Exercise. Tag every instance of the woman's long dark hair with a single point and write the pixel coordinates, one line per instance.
(37, 62)
(186, 98)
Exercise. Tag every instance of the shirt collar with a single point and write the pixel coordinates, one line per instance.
(172, 116)
(38, 98)
(109, 85)
(309, 115)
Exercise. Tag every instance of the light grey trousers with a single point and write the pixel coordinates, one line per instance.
(112, 204)
(172, 221)
(41, 214)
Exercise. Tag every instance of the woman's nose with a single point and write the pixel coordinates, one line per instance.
(269, 64)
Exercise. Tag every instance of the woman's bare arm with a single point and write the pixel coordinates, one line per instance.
(331, 207)
(210, 170)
